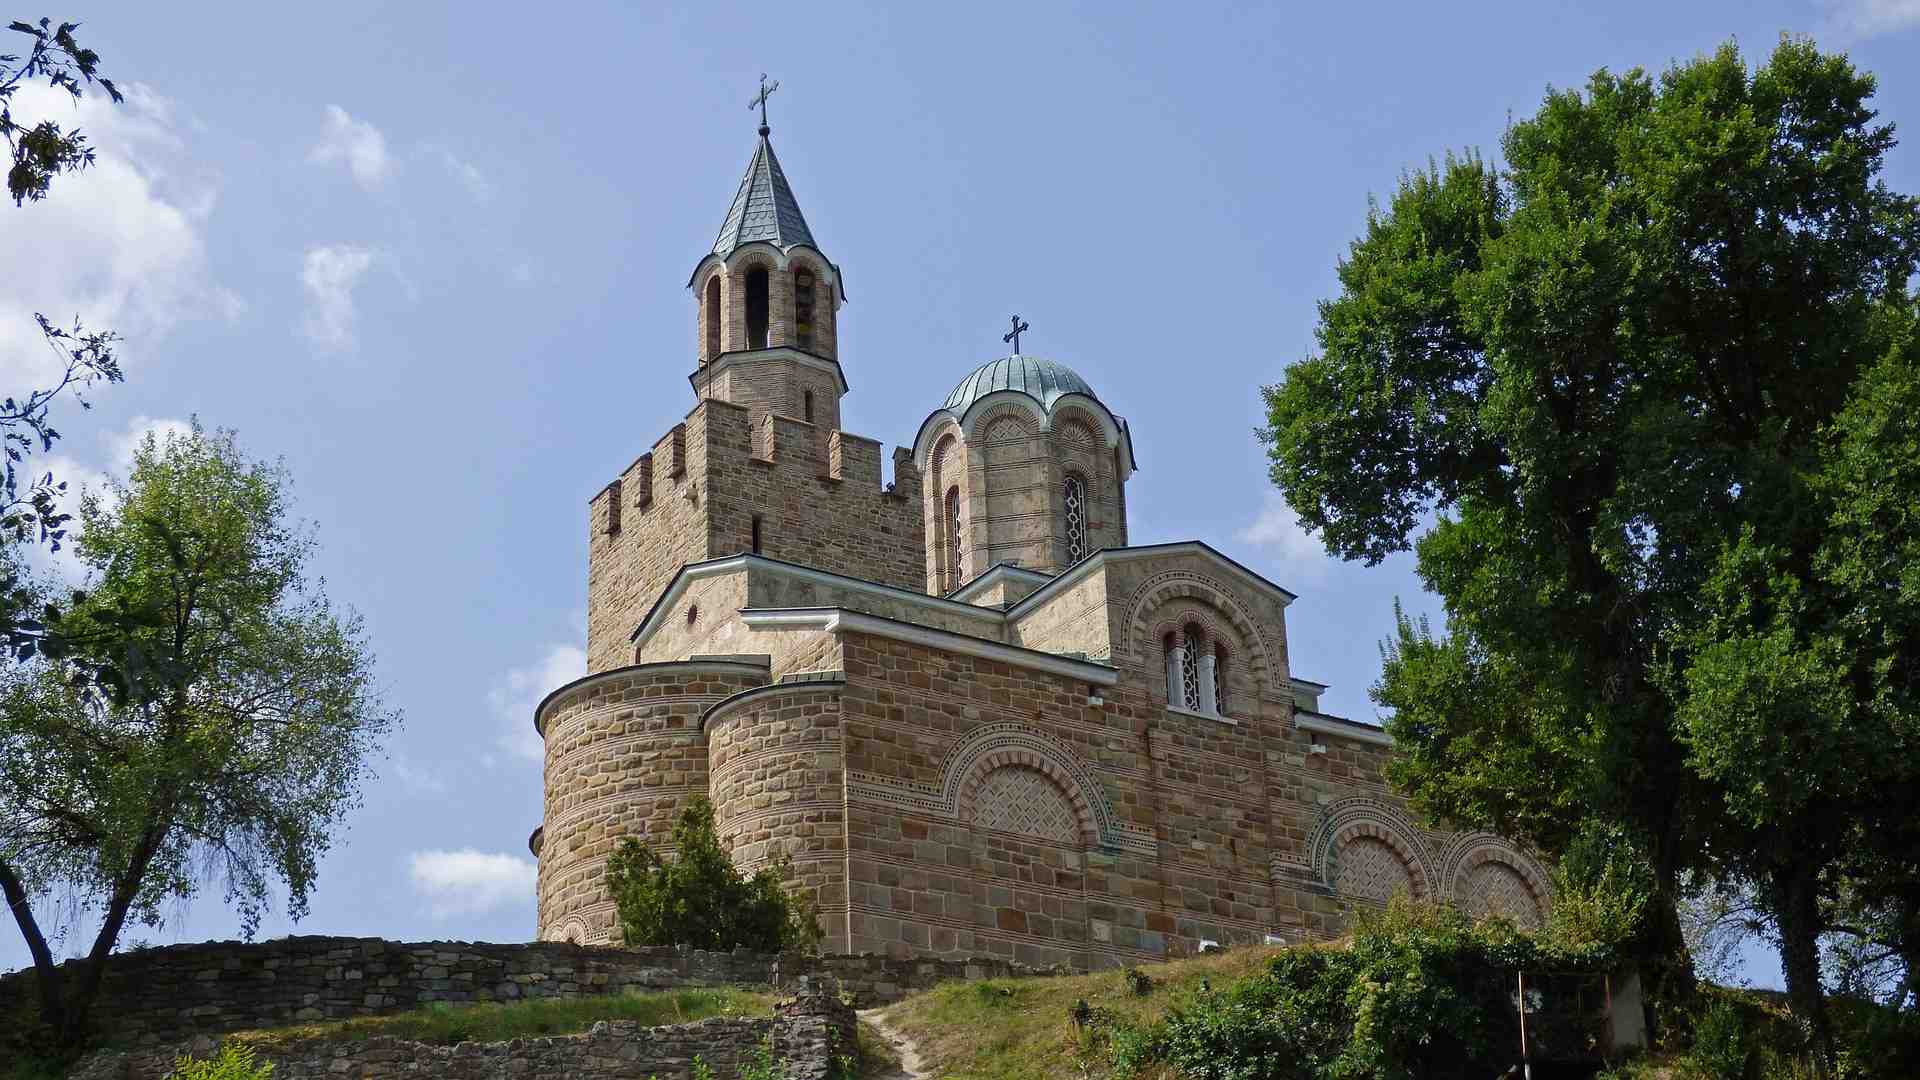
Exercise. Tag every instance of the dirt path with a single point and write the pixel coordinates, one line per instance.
(911, 1067)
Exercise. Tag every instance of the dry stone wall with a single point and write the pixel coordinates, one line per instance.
(170, 994)
(806, 1035)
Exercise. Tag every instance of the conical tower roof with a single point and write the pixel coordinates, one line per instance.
(764, 208)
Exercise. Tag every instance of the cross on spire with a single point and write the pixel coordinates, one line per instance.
(760, 100)
(1013, 335)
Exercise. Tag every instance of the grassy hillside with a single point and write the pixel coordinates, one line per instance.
(1023, 1029)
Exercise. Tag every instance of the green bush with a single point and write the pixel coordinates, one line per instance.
(233, 1061)
(701, 900)
(1722, 1046)
(1421, 992)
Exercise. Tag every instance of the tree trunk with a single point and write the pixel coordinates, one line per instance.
(1797, 907)
(46, 973)
(87, 985)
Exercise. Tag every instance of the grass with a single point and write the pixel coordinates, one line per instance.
(1022, 1029)
(444, 1024)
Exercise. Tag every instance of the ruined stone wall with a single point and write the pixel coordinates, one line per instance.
(778, 788)
(624, 752)
(806, 1035)
(163, 995)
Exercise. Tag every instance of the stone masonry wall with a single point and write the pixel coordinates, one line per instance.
(805, 1036)
(624, 752)
(164, 995)
(817, 492)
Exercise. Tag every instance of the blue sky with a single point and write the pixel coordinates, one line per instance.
(434, 256)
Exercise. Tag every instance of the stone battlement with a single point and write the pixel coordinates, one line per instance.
(722, 483)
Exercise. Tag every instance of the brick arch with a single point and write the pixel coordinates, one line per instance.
(994, 424)
(1166, 589)
(1362, 817)
(1020, 763)
(574, 930)
(1470, 850)
(997, 746)
(1091, 432)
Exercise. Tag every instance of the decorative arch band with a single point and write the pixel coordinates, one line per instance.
(1359, 816)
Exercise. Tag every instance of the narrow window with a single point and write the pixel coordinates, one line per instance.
(613, 508)
(1175, 662)
(806, 405)
(803, 309)
(756, 534)
(1075, 500)
(713, 317)
(757, 308)
(1219, 680)
(1190, 665)
(953, 537)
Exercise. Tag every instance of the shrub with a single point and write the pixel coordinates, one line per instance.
(701, 899)
(233, 1061)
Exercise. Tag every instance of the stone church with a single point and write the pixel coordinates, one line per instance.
(977, 719)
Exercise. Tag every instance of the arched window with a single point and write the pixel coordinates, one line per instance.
(1074, 499)
(951, 519)
(803, 310)
(757, 308)
(713, 316)
(1190, 665)
(1219, 680)
(1176, 655)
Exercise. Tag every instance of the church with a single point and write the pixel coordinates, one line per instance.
(975, 717)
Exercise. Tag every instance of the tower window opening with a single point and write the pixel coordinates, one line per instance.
(1074, 501)
(756, 534)
(757, 308)
(952, 522)
(806, 406)
(803, 309)
(713, 317)
(1190, 665)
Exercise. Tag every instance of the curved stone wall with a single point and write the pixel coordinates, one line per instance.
(779, 786)
(624, 752)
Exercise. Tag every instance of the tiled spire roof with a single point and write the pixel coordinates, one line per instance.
(764, 208)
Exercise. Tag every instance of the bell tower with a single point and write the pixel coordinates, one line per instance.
(768, 302)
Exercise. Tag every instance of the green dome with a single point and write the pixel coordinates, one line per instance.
(1042, 380)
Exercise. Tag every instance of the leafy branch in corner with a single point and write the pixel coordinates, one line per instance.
(40, 150)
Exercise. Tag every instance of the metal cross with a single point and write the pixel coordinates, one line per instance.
(1013, 335)
(760, 100)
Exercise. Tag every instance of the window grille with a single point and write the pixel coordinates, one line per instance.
(1190, 667)
(1075, 498)
(953, 538)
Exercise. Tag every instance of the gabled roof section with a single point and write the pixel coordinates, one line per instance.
(764, 208)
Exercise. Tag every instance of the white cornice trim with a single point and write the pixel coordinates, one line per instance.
(700, 571)
(840, 619)
(1100, 558)
(1346, 729)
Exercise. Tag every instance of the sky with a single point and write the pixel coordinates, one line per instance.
(433, 256)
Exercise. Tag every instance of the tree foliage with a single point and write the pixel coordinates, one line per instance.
(700, 899)
(247, 715)
(1652, 384)
(42, 150)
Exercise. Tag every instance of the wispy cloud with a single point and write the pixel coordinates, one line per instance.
(514, 697)
(330, 273)
(465, 172)
(1277, 529)
(355, 144)
(1858, 20)
(469, 882)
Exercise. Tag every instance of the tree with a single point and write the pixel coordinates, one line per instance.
(41, 150)
(701, 900)
(243, 736)
(1611, 375)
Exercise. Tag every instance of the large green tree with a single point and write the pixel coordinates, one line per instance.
(1602, 390)
(240, 739)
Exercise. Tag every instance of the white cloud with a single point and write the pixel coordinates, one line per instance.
(1278, 530)
(1857, 20)
(118, 244)
(469, 175)
(469, 882)
(354, 143)
(330, 273)
(514, 697)
(121, 445)
(418, 780)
